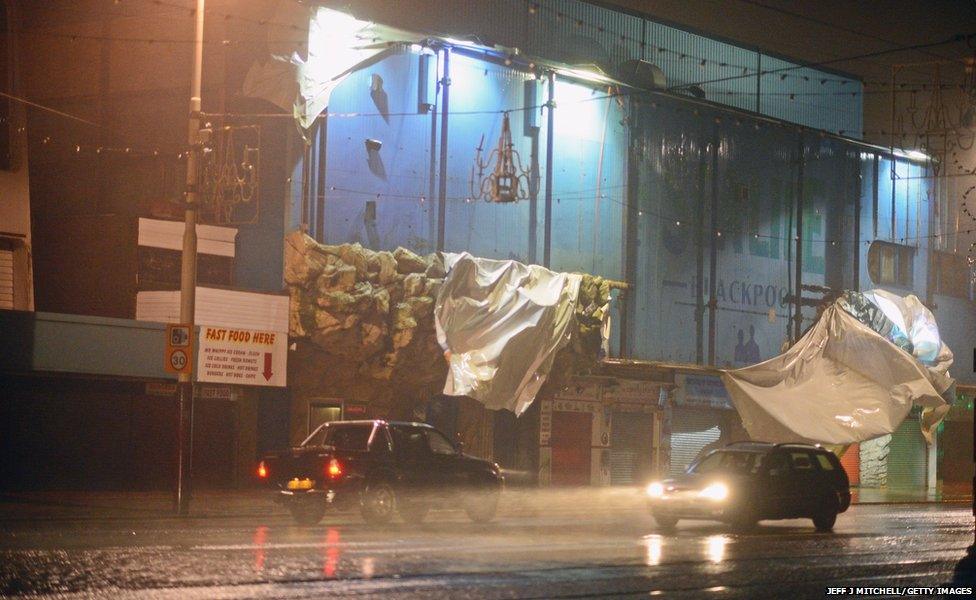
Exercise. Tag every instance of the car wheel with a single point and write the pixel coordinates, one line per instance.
(825, 519)
(378, 503)
(482, 506)
(743, 520)
(307, 513)
(665, 521)
(413, 511)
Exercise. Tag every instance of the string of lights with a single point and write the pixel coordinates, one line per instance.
(151, 41)
(971, 254)
(828, 24)
(581, 195)
(140, 150)
(337, 192)
(534, 8)
(952, 40)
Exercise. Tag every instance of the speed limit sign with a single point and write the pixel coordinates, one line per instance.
(179, 349)
(178, 360)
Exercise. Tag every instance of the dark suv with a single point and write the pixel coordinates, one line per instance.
(749, 481)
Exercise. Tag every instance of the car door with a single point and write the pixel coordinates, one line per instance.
(778, 495)
(805, 482)
(446, 463)
(413, 462)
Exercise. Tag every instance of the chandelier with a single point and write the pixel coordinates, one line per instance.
(506, 179)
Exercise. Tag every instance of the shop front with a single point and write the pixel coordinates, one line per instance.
(702, 418)
(602, 431)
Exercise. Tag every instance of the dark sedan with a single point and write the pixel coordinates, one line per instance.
(383, 468)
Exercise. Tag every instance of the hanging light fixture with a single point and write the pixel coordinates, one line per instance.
(506, 180)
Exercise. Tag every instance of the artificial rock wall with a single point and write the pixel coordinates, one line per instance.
(363, 326)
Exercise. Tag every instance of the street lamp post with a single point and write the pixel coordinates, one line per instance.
(188, 271)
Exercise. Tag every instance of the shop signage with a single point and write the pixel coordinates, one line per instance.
(701, 391)
(242, 356)
(355, 411)
(634, 392)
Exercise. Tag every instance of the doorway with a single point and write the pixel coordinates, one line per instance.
(323, 412)
(571, 437)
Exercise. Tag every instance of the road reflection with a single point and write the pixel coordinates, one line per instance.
(332, 552)
(369, 567)
(260, 538)
(652, 544)
(715, 547)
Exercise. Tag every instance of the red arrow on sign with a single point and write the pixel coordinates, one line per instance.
(267, 366)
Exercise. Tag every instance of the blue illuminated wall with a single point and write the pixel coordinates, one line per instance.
(700, 190)
(396, 178)
(401, 178)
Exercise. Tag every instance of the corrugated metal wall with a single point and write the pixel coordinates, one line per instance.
(667, 170)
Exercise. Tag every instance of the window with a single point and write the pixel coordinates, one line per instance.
(381, 442)
(323, 412)
(438, 443)
(952, 274)
(801, 461)
(342, 437)
(824, 462)
(729, 462)
(710, 463)
(776, 462)
(410, 443)
(890, 264)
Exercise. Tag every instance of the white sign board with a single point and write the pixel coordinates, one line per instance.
(242, 356)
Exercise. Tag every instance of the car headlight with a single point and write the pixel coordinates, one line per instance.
(716, 491)
(655, 490)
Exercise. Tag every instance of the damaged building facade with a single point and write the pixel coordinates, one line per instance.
(727, 226)
(723, 200)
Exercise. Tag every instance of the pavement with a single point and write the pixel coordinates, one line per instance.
(30, 506)
(596, 543)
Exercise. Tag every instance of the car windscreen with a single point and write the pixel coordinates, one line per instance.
(342, 437)
(739, 463)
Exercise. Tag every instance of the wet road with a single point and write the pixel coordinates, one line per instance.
(566, 552)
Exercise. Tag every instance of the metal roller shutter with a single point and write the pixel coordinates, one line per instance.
(631, 447)
(691, 430)
(6, 278)
(907, 456)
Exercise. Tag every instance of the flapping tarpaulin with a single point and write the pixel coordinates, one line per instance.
(302, 77)
(852, 377)
(501, 324)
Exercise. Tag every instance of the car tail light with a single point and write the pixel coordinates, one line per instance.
(334, 469)
(262, 470)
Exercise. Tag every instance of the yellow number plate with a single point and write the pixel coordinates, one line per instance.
(301, 484)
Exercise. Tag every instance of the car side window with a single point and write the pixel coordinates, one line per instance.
(776, 463)
(381, 442)
(439, 444)
(411, 443)
(800, 461)
(824, 461)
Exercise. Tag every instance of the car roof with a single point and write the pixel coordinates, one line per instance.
(753, 446)
(380, 422)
